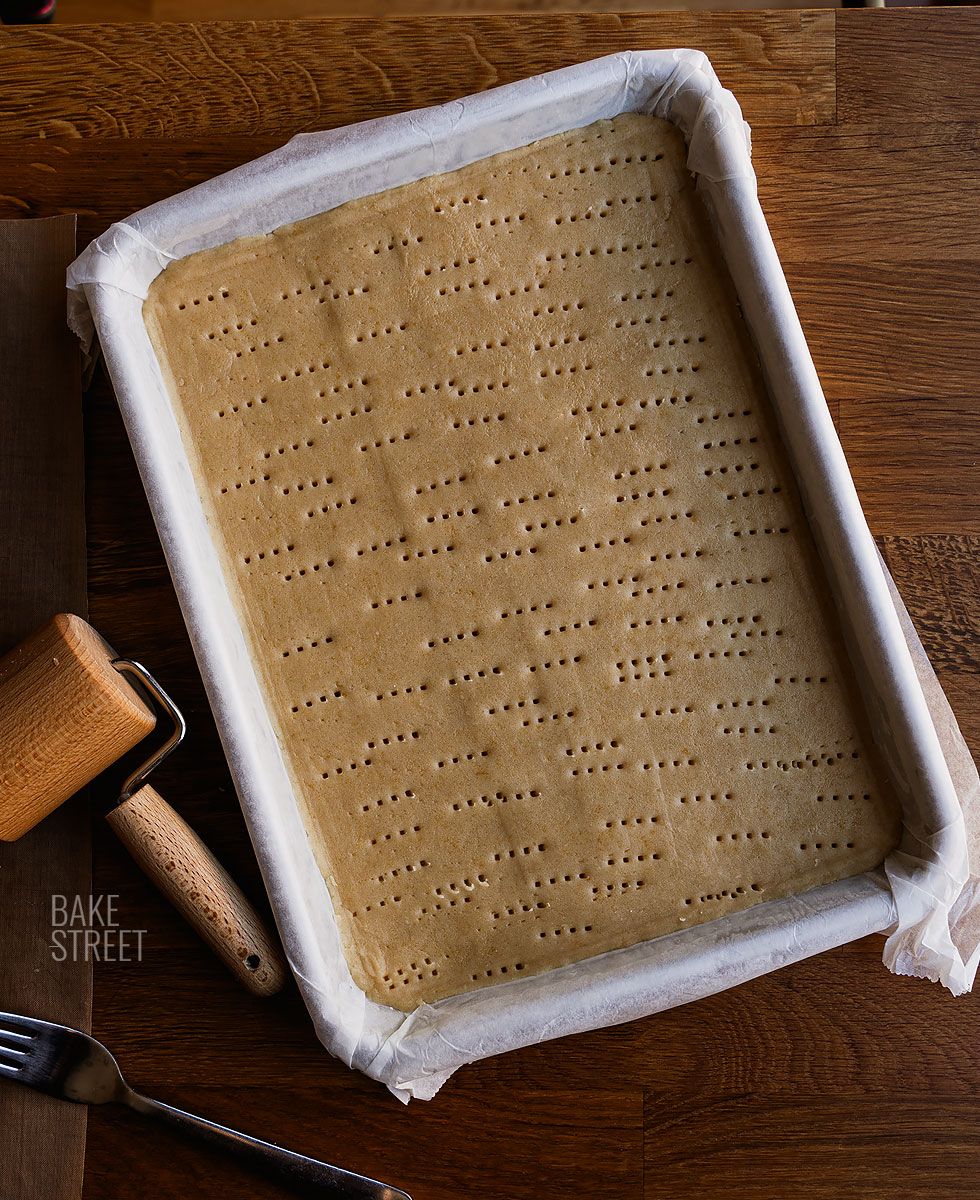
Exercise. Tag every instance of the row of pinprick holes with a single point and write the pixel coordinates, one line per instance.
(726, 893)
(605, 544)
(346, 386)
(493, 800)
(273, 553)
(469, 422)
(449, 638)
(568, 339)
(721, 583)
(593, 251)
(654, 588)
(551, 309)
(648, 495)
(331, 505)
(336, 694)
(746, 412)
(734, 468)
(384, 801)
(440, 483)
(673, 711)
(849, 796)
(663, 517)
(474, 676)
(426, 551)
(544, 718)
(406, 869)
(513, 705)
(393, 243)
(450, 385)
(648, 622)
(644, 667)
(521, 612)
(469, 286)
(515, 552)
(456, 759)
(826, 845)
(302, 571)
(603, 433)
(698, 655)
(497, 344)
(406, 976)
(552, 663)
(310, 369)
(402, 691)
(595, 406)
(535, 496)
(713, 796)
(629, 859)
(491, 971)
(384, 545)
(632, 322)
(235, 408)
(796, 763)
(292, 446)
(625, 581)
(455, 203)
(522, 289)
(592, 748)
(677, 369)
(670, 555)
(591, 623)
(388, 441)
(394, 739)
(381, 331)
(569, 930)
(524, 452)
(511, 219)
(612, 889)
(243, 483)
(303, 484)
(326, 418)
(346, 293)
(729, 442)
(774, 491)
(743, 729)
(518, 851)
(468, 261)
(749, 703)
(392, 834)
(555, 523)
(222, 293)
(312, 645)
(757, 532)
(684, 341)
(448, 515)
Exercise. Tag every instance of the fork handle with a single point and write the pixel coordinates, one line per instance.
(306, 1176)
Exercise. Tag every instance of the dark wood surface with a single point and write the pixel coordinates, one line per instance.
(42, 572)
(828, 1079)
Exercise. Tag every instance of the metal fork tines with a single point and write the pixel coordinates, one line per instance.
(69, 1064)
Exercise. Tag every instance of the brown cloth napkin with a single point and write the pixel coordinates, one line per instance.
(42, 572)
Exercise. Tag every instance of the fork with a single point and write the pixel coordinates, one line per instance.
(69, 1064)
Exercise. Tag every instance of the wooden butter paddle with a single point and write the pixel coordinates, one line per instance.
(69, 708)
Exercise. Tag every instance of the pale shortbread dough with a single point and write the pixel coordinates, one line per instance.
(522, 564)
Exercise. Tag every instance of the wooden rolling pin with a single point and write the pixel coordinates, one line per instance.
(67, 711)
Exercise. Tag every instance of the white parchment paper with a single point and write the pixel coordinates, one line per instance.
(926, 895)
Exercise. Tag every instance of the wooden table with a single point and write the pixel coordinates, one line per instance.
(828, 1079)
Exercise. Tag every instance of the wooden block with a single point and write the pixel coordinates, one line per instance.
(42, 566)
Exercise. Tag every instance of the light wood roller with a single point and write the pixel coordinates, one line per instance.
(65, 715)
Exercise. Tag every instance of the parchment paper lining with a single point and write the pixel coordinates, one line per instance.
(315, 172)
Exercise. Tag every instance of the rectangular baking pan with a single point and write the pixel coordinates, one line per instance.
(414, 1054)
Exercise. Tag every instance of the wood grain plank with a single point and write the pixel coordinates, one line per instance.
(558, 1142)
(186, 80)
(916, 65)
(867, 193)
(42, 572)
(881, 330)
(892, 1148)
(914, 461)
(256, 10)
